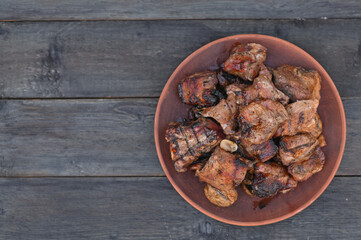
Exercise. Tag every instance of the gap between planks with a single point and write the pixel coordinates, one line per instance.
(177, 19)
(79, 98)
(131, 176)
(110, 98)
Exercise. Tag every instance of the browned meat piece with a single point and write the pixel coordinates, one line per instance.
(322, 140)
(316, 128)
(303, 118)
(248, 179)
(262, 152)
(188, 141)
(301, 171)
(298, 83)
(220, 198)
(280, 113)
(199, 89)
(257, 124)
(247, 188)
(196, 166)
(271, 178)
(224, 79)
(291, 184)
(225, 113)
(246, 60)
(242, 93)
(199, 163)
(223, 170)
(265, 88)
(259, 121)
(262, 88)
(297, 148)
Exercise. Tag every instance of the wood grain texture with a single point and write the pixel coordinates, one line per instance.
(103, 138)
(350, 164)
(77, 138)
(135, 58)
(149, 208)
(163, 9)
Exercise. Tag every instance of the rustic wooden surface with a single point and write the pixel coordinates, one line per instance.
(163, 9)
(135, 58)
(149, 208)
(79, 84)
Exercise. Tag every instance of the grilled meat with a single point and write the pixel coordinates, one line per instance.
(200, 89)
(257, 124)
(223, 170)
(225, 113)
(271, 178)
(301, 171)
(322, 141)
(188, 141)
(298, 83)
(246, 60)
(280, 113)
(259, 121)
(291, 184)
(297, 148)
(241, 93)
(244, 130)
(261, 152)
(200, 162)
(262, 88)
(219, 197)
(303, 118)
(224, 79)
(265, 88)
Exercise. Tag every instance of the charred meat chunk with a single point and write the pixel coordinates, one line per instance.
(241, 93)
(225, 79)
(303, 118)
(257, 124)
(262, 88)
(265, 88)
(219, 197)
(200, 162)
(322, 140)
(296, 148)
(280, 113)
(249, 125)
(246, 60)
(259, 121)
(188, 141)
(271, 178)
(291, 184)
(199, 89)
(298, 83)
(225, 113)
(223, 170)
(301, 171)
(262, 152)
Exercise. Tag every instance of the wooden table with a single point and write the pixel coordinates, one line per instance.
(79, 84)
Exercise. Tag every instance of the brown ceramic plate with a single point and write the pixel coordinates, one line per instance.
(243, 212)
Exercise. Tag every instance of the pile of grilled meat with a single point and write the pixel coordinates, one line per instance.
(250, 126)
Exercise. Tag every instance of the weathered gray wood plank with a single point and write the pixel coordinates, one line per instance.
(350, 164)
(153, 9)
(81, 138)
(149, 208)
(135, 58)
(103, 138)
